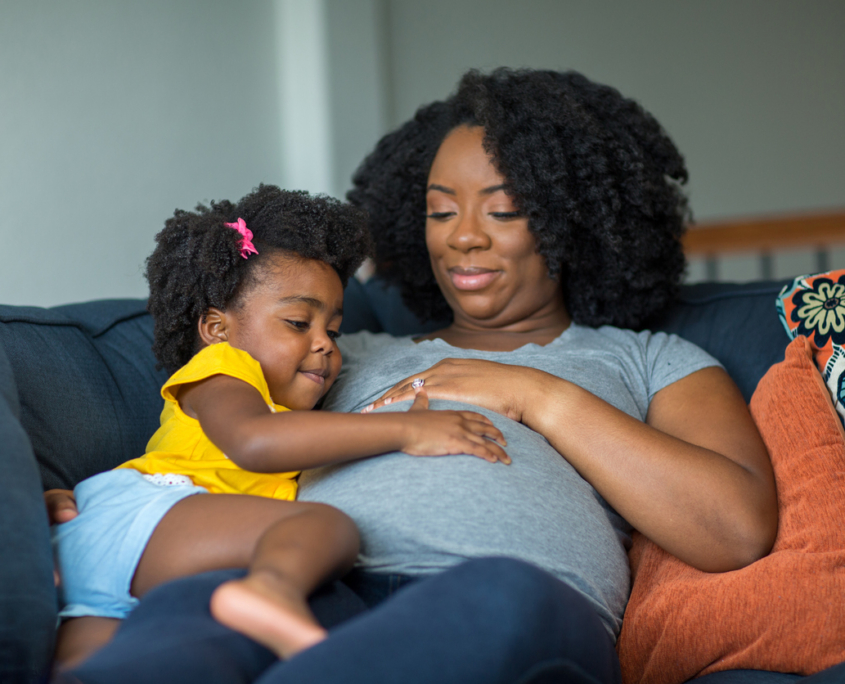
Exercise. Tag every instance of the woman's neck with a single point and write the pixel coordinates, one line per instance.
(541, 331)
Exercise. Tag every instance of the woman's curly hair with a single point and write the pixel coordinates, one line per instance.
(597, 177)
(197, 262)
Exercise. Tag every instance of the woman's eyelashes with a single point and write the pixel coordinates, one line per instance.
(500, 215)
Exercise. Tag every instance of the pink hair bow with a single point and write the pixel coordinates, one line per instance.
(247, 247)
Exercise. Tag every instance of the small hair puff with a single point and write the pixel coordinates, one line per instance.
(597, 177)
(197, 262)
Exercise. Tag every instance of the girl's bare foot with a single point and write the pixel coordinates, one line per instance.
(269, 610)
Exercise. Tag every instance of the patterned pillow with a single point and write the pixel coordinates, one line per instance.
(814, 306)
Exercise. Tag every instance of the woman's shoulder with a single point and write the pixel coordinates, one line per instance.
(647, 341)
(646, 347)
(662, 357)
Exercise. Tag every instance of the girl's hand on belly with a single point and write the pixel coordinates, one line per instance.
(444, 433)
(499, 387)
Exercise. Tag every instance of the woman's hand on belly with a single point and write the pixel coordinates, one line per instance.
(448, 433)
(499, 387)
(695, 477)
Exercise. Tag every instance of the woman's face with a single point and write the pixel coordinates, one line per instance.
(483, 255)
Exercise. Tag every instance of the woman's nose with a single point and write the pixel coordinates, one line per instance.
(468, 234)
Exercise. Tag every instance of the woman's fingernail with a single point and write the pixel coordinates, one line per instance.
(388, 400)
(367, 409)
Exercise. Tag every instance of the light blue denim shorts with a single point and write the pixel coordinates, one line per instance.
(97, 552)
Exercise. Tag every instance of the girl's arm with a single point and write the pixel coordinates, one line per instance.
(235, 418)
(695, 477)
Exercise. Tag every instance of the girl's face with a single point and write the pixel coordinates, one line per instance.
(289, 323)
(484, 257)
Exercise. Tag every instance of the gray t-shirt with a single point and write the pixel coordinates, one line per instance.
(421, 515)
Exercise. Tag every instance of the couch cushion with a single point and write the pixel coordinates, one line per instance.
(391, 313)
(8, 388)
(736, 323)
(86, 383)
(784, 612)
(358, 314)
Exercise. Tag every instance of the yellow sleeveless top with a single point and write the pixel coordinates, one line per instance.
(180, 446)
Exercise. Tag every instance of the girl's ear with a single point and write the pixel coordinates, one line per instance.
(213, 327)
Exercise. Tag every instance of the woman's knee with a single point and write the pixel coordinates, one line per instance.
(561, 621)
(513, 590)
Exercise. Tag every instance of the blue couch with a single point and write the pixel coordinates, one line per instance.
(79, 393)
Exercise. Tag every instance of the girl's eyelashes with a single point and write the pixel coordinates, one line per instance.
(505, 214)
(440, 215)
(303, 326)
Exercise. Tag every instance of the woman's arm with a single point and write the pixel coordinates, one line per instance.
(235, 418)
(695, 477)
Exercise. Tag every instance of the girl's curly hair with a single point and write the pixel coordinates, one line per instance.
(197, 262)
(595, 174)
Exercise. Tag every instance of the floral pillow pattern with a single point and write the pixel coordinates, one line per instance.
(814, 306)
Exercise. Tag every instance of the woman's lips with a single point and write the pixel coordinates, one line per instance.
(472, 278)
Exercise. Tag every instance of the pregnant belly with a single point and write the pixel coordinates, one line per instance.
(419, 515)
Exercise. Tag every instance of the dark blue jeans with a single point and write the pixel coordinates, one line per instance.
(833, 675)
(487, 621)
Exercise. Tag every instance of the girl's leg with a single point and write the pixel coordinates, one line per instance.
(486, 621)
(171, 638)
(77, 638)
(489, 621)
(291, 548)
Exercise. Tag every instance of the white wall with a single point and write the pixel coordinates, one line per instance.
(752, 91)
(303, 93)
(359, 70)
(112, 114)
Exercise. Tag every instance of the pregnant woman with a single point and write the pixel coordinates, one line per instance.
(539, 215)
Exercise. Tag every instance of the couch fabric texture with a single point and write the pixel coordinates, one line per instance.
(79, 394)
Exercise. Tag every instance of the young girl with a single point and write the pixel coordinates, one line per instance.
(247, 302)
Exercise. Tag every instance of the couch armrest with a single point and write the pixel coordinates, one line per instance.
(28, 605)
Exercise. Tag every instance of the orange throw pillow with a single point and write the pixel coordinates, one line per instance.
(784, 613)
